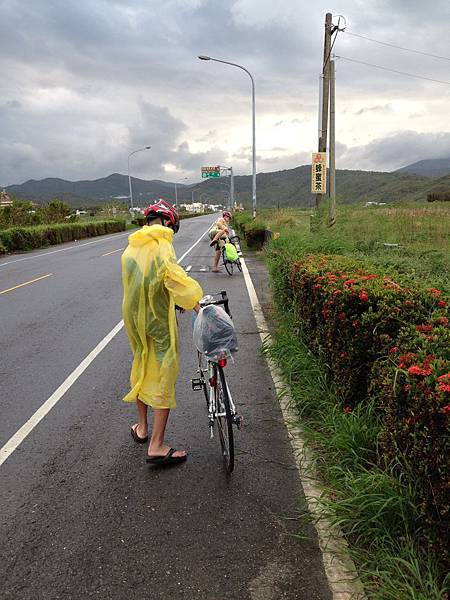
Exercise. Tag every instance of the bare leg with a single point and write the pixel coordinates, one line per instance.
(157, 446)
(141, 428)
(215, 268)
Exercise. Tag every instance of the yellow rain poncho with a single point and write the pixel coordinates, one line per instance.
(153, 283)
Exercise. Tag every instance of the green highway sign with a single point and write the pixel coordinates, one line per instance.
(210, 172)
(213, 174)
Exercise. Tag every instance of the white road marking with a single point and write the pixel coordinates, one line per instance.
(14, 442)
(113, 251)
(339, 566)
(103, 239)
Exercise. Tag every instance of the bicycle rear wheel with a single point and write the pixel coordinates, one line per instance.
(226, 263)
(224, 421)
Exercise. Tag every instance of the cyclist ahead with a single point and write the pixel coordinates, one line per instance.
(218, 234)
(153, 283)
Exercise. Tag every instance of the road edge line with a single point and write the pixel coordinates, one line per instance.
(339, 567)
(17, 438)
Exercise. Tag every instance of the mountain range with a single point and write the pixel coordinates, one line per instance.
(290, 187)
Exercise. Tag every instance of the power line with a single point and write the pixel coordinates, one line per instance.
(392, 70)
(394, 46)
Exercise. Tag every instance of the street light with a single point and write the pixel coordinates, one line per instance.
(129, 177)
(225, 62)
(176, 195)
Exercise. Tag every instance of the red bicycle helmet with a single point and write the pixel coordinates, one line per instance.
(166, 211)
(226, 213)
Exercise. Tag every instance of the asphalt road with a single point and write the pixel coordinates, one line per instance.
(82, 515)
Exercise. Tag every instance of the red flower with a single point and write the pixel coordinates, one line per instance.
(405, 359)
(367, 277)
(393, 350)
(444, 382)
(442, 321)
(343, 355)
(408, 303)
(446, 409)
(363, 295)
(442, 304)
(336, 292)
(434, 292)
(416, 370)
(317, 286)
(348, 409)
(424, 328)
(350, 282)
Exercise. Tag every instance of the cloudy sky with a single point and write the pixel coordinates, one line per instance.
(85, 82)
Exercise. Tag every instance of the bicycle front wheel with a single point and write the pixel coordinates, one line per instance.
(238, 263)
(224, 421)
(227, 264)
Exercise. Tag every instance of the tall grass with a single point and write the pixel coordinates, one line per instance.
(412, 239)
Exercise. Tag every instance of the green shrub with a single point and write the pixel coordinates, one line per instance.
(29, 238)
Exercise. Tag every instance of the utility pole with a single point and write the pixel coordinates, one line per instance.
(325, 91)
(231, 189)
(332, 211)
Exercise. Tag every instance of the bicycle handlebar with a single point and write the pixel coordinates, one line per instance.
(222, 301)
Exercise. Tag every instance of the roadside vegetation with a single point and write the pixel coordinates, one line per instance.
(25, 226)
(369, 370)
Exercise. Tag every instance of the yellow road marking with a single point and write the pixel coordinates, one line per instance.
(26, 283)
(118, 250)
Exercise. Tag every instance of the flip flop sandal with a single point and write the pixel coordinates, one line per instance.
(136, 438)
(168, 459)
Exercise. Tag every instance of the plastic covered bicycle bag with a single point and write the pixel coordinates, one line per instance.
(214, 333)
(231, 252)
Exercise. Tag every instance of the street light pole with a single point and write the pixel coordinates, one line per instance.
(231, 194)
(129, 176)
(225, 62)
(176, 193)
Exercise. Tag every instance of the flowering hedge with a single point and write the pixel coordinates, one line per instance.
(387, 338)
(412, 388)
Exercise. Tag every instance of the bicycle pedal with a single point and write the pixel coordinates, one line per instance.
(196, 384)
(239, 421)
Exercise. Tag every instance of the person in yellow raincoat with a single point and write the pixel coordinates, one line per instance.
(153, 284)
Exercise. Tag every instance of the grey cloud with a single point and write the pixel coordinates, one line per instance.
(128, 75)
(394, 151)
(376, 109)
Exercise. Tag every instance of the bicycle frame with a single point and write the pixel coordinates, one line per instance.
(209, 384)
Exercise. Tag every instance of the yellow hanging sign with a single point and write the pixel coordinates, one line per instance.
(319, 173)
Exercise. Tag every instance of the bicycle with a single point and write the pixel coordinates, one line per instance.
(229, 264)
(219, 402)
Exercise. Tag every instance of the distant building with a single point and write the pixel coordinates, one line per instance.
(195, 207)
(5, 200)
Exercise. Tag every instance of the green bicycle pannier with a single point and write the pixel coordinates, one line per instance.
(231, 252)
